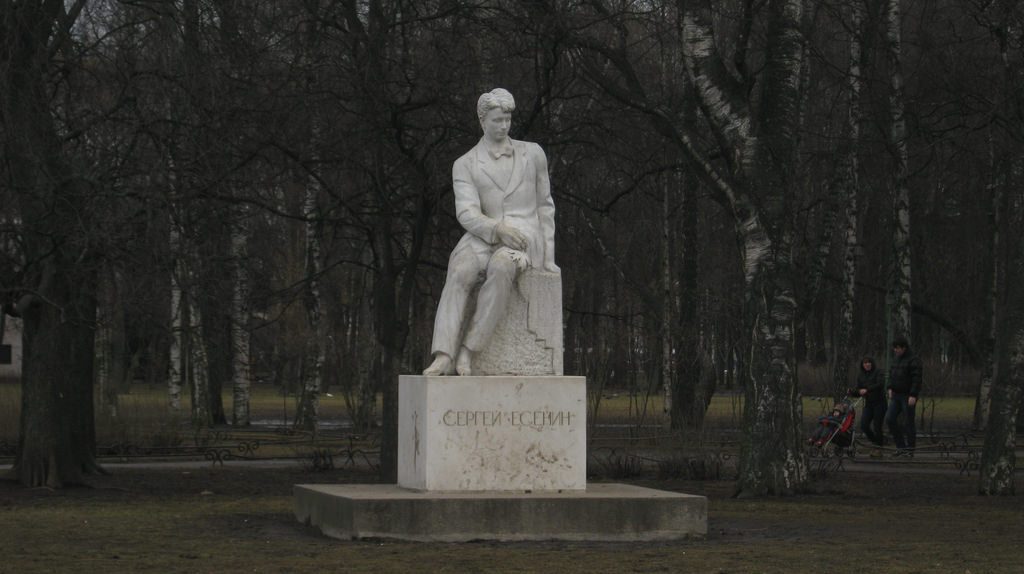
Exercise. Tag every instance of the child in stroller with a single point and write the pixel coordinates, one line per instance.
(836, 427)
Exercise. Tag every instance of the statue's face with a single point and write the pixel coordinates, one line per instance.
(496, 125)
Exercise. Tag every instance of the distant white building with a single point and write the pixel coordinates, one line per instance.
(10, 350)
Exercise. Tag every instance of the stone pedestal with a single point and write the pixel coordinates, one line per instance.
(496, 458)
(492, 433)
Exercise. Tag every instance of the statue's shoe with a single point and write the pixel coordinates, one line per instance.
(442, 365)
(463, 364)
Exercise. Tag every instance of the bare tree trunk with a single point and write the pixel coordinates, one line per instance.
(393, 298)
(998, 459)
(1002, 29)
(667, 299)
(386, 325)
(308, 416)
(982, 403)
(240, 334)
(103, 341)
(772, 460)
(901, 192)
(366, 355)
(199, 364)
(110, 353)
(694, 387)
(177, 377)
(850, 181)
(189, 364)
(56, 444)
(357, 381)
(57, 434)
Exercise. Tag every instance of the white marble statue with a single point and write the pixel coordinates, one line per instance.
(503, 200)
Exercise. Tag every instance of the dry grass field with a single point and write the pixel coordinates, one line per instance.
(239, 520)
(880, 516)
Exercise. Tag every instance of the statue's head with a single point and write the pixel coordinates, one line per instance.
(498, 98)
(494, 109)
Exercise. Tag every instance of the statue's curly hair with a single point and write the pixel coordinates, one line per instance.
(496, 98)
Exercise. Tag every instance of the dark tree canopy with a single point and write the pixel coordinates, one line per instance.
(732, 182)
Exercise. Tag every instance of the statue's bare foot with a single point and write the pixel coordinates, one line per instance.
(442, 365)
(462, 363)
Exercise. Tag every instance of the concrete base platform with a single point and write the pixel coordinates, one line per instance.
(603, 512)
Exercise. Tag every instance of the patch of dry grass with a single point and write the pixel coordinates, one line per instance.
(143, 417)
(239, 520)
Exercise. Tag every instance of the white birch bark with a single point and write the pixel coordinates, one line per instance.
(719, 93)
(755, 185)
(849, 172)
(176, 372)
(197, 360)
(177, 377)
(240, 334)
(188, 359)
(901, 191)
(771, 459)
(998, 459)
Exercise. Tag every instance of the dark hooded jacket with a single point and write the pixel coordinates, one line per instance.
(905, 374)
(872, 381)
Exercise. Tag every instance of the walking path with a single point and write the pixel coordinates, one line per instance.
(887, 466)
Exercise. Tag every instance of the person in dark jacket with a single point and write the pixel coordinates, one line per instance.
(904, 387)
(871, 386)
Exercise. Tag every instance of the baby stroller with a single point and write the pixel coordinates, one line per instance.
(835, 433)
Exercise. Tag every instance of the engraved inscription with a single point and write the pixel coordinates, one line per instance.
(541, 418)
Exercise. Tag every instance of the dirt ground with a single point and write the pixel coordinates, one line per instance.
(870, 517)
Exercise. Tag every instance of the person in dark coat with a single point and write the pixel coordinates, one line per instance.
(904, 387)
(871, 386)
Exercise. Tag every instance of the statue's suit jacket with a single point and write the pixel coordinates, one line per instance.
(481, 202)
(524, 203)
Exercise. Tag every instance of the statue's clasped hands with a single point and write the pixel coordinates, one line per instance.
(510, 237)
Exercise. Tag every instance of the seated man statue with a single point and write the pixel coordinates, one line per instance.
(503, 201)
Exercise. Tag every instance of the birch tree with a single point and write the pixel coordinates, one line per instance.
(241, 336)
(308, 416)
(177, 56)
(849, 179)
(998, 459)
(1004, 20)
(988, 343)
(176, 378)
(901, 281)
(754, 181)
(198, 360)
